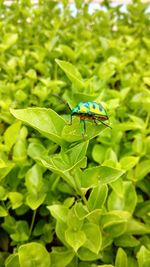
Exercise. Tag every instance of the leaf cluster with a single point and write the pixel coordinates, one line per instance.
(64, 200)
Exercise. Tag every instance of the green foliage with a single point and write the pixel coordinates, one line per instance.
(65, 200)
(31, 254)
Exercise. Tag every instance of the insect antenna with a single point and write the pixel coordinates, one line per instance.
(62, 101)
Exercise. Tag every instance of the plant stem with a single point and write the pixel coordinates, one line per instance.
(83, 197)
(80, 191)
(32, 222)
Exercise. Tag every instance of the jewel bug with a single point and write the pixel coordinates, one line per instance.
(90, 111)
(87, 111)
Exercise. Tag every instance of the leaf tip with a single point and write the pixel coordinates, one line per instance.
(12, 111)
(57, 60)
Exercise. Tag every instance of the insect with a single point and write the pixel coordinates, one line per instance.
(87, 111)
(91, 111)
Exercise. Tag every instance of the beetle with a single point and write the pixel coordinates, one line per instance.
(91, 111)
(87, 110)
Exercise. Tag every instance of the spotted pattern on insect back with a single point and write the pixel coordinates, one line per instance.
(86, 105)
(89, 108)
(94, 108)
(83, 109)
(100, 108)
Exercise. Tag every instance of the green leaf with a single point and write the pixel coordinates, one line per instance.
(93, 237)
(98, 153)
(101, 174)
(81, 96)
(103, 56)
(94, 216)
(39, 227)
(72, 73)
(46, 121)
(33, 179)
(106, 70)
(68, 159)
(126, 202)
(85, 254)
(9, 224)
(21, 232)
(59, 212)
(3, 212)
(75, 238)
(64, 162)
(34, 184)
(11, 134)
(2, 163)
(142, 210)
(2, 193)
(81, 210)
(97, 197)
(72, 133)
(31, 73)
(114, 223)
(121, 258)
(136, 227)
(66, 50)
(128, 163)
(36, 151)
(61, 254)
(145, 241)
(115, 228)
(126, 241)
(74, 222)
(9, 40)
(60, 231)
(20, 151)
(142, 169)
(5, 168)
(33, 254)
(35, 200)
(16, 199)
(132, 262)
(20, 147)
(128, 126)
(12, 260)
(75, 155)
(147, 80)
(143, 257)
(144, 186)
(118, 187)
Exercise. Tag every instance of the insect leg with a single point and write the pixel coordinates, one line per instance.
(82, 121)
(70, 123)
(104, 123)
(95, 121)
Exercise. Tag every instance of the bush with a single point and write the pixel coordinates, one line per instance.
(66, 200)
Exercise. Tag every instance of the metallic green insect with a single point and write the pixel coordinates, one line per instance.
(91, 111)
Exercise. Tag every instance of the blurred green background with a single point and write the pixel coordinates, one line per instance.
(48, 173)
